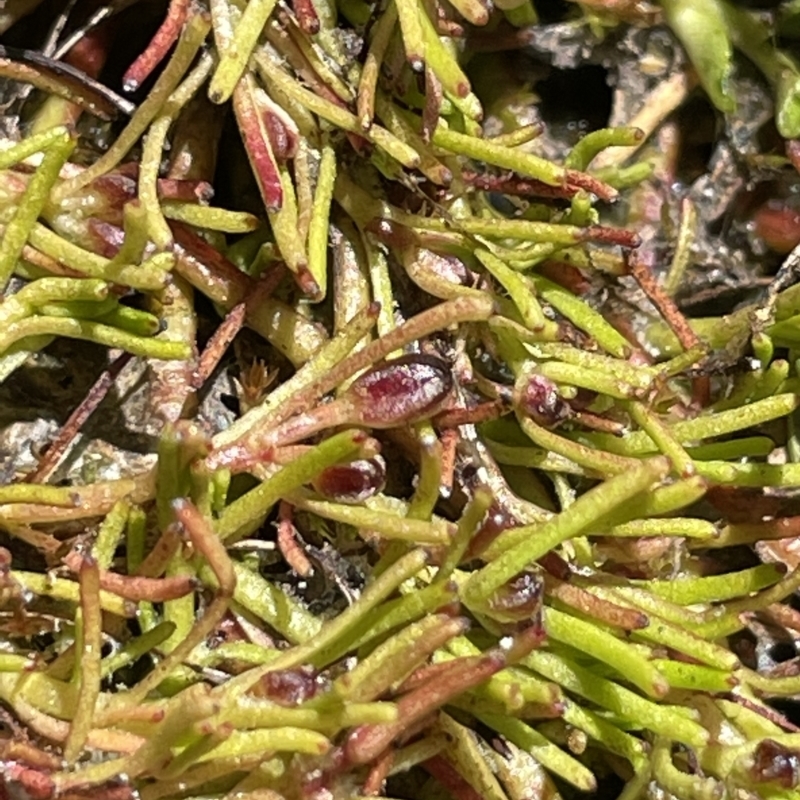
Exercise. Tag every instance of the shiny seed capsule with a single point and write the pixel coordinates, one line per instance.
(404, 390)
(353, 482)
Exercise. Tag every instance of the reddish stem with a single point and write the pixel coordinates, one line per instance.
(284, 144)
(378, 774)
(135, 587)
(497, 521)
(187, 191)
(482, 412)
(89, 55)
(771, 714)
(452, 30)
(449, 440)
(219, 277)
(287, 542)
(618, 236)
(166, 36)
(518, 186)
(433, 105)
(76, 421)
(574, 596)
(666, 306)
(163, 550)
(218, 344)
(430, 673)
(593, 185)
(566, 275)
(306, 15)
(596, 422)
(446, 774)
(258, 145)
(367, 742)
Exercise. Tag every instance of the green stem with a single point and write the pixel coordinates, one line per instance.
(521, 551)
(31, 204)
(246, 514)
(607, 648)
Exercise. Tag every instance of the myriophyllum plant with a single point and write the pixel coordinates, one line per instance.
(445, 492)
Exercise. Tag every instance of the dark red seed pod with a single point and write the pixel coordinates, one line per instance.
(774, 763)
(392, 233)
(518, 600)
(106, 238)
(404, 390)
(290, 687)
(353, 482)
(17, 780)
(556, 565)
(539, 399)
(495, 522)
(778, 225)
